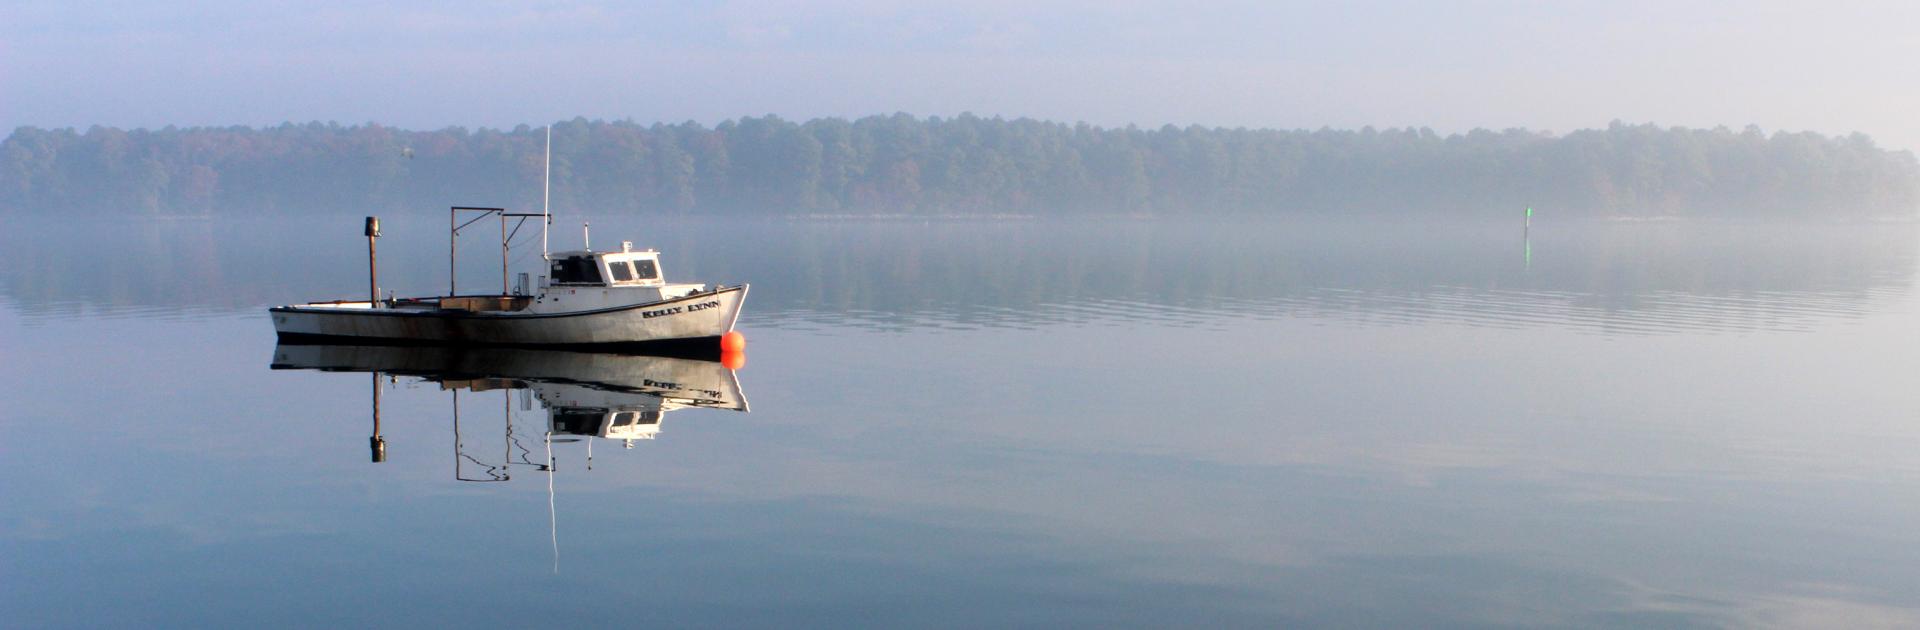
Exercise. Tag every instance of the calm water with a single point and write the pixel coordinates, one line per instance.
(992, 424)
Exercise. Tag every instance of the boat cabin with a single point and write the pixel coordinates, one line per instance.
(588, 279)
(596, 269)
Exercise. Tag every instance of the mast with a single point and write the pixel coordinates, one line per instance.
(546, 191)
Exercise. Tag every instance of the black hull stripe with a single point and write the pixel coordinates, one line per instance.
(698, 348)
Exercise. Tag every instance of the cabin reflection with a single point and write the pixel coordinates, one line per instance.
(585, 396)
(584, 411)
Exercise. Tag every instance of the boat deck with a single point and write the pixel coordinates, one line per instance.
(460, 303)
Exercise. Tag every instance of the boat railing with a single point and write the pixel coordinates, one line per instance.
(485, 303)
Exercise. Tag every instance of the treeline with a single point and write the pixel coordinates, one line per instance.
(903, 165)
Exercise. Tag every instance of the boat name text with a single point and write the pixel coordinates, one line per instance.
(680, 309)
(653, 384)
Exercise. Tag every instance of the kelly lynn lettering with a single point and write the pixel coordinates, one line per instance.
(653, 384)
(680, 309)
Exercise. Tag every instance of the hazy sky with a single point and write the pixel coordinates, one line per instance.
(1827, 66)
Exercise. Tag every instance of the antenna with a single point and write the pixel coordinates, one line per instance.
(546, 192)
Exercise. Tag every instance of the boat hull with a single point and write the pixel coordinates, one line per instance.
(695, 316)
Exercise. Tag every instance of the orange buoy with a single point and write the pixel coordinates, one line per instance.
(733, 360)
(733, 341)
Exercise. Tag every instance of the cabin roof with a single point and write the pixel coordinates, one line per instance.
(582, 252)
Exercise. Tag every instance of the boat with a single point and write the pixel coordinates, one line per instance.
(585, 299)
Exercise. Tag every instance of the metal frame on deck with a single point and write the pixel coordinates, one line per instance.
(453, 241)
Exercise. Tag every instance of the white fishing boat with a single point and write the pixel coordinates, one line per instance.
(586, 298)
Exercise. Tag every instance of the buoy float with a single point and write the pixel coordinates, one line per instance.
(733, 350)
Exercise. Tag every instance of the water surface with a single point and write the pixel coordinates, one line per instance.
(1029, 423)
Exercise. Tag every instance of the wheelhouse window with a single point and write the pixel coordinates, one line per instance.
(578, 420)
(632, 270)
(576, 270)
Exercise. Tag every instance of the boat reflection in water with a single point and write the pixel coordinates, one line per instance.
(586, 395)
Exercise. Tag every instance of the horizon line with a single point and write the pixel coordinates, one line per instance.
(523, 126)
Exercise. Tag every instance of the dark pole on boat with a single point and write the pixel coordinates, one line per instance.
(453, 242)
(373, 262)
(376, 443)
(503, 253)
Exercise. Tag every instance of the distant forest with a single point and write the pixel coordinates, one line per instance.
(905, 165)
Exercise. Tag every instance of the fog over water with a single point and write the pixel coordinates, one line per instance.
(1308, 423)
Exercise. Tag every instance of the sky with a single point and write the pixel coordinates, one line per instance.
(1830, 67)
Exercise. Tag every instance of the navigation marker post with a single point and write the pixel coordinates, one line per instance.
(1526, 239)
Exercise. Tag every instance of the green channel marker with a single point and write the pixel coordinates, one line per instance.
(1526, 236)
